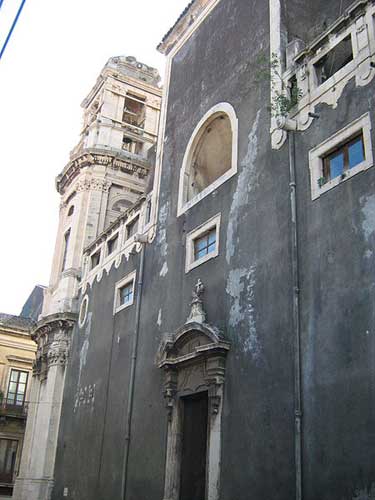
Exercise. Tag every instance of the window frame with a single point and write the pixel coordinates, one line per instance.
(222, 108)
(324, 53)
(335, 142)
(97, 251)
(7, 400)
(197, 233)
(114, 236)
(126, 280)
(11, 438)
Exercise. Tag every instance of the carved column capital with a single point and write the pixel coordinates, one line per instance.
(53, 337)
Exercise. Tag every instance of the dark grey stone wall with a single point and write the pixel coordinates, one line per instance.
(248, 295)
(336, 255)
(307, 20)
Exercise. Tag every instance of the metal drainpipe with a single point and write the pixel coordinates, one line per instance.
(143, 240)
(296, 318)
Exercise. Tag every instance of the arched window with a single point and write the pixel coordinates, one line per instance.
(211, 156)
(121, 205)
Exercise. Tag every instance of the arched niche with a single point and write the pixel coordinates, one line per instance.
(210, 157)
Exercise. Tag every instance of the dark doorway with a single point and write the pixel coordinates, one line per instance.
(194, 447)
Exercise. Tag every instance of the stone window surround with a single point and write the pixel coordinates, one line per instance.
(212, 223)
(316, 154)
(82, 320)
(126, 280)
(224, 108)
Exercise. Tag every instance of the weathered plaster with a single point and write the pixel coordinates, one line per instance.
(245, 184)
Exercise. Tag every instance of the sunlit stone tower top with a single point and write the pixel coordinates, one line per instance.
(108, 169)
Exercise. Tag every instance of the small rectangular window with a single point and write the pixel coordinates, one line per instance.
(132, 228)
(334, 60)
(202, 244)
(112, 244)
(95, 259)
(345, 157)
(341, 156)
(205, 244)
(134, 110)
(124, 292)
(17, 388)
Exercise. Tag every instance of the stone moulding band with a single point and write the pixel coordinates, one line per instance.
(89, 159)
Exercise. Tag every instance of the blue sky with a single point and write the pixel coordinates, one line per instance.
(53, 58)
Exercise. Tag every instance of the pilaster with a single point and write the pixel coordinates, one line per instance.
(53, 337)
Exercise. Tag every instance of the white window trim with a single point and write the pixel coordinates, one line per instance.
(129, 278)
(227, 109)
(320, 88)
(212, 223)
(363, 124)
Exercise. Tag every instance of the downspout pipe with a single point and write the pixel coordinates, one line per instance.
(142, 239)
(296, 317)
(291, 127)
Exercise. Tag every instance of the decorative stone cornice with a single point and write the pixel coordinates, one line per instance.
(114, 161)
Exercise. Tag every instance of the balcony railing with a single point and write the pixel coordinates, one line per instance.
(9, 409)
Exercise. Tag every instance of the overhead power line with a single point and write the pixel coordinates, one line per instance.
(12, 27)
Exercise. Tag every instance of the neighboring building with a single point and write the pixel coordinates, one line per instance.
(33, 306)
(17, 354)
(216, 340)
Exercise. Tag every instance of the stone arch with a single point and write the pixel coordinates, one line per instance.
(210, 157)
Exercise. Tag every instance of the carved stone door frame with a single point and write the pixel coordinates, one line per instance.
(193, 360)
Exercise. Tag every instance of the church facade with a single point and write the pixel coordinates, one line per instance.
(209, 330)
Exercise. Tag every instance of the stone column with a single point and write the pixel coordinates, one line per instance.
(53, 336)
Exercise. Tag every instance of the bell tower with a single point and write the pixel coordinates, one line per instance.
(107, 172)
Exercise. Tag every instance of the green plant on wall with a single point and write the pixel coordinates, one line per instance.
(284, 100)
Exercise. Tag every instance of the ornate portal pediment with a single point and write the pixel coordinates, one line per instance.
(193, 340)
(194, 356)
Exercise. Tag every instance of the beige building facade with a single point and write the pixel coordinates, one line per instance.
(17, 353)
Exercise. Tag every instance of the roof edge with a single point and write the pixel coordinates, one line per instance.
(188, 17)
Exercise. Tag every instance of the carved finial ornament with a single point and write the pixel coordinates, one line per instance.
(197, 313)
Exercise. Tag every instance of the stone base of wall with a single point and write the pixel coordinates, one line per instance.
(32, 489)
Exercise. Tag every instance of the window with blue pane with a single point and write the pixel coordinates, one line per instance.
(126, 293)
(347, 156)
(205, 244)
